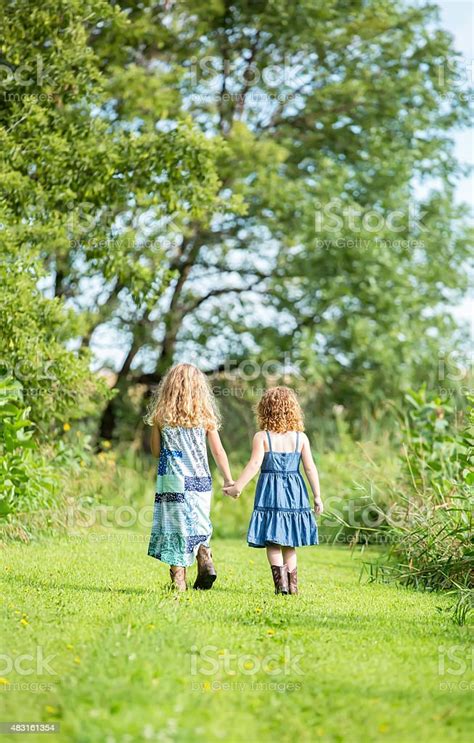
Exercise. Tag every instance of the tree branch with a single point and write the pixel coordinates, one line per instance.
(104, 309)
(241, 271)
(239, 107)
(192, 306)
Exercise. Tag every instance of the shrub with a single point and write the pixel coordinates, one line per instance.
(27, 480)
(431, 530)
(35, 331)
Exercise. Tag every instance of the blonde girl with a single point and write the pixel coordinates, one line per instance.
(184, 416)
(282, 518)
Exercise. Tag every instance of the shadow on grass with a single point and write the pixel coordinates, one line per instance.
(75, 586)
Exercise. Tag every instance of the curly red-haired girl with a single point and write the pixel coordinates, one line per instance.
(282, 518)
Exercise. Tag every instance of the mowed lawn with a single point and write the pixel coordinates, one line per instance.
(117, 657)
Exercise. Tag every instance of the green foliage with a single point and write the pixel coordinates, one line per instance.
(326, 128)
(189, 163)
(435, 548)
(77, 189)
(35, 330)
(430, 528)
(437, 454)
(27, 480)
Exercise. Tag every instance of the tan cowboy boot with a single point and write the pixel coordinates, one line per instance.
(206, 570)
(293, 581)
(280, 578)
(178, 578)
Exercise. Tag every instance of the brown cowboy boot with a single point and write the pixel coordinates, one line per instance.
(293, 581)
(206, 570)
(178, 578)
(280, 578)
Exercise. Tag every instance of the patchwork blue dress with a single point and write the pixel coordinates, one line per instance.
(281, 513)
(181, 516)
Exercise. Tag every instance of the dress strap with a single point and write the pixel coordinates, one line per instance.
(269, 441)
(297, 440)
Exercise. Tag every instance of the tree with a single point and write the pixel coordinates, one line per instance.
(310, 111)
(68, 170)
(326, 109)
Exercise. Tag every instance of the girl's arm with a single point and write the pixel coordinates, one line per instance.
(155, 442)
(311, 474)
(251, 468)
(219, 455)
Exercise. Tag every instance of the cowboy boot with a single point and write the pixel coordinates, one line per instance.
(293, 580)
(178, 578)
(206, 570)
(280, 578)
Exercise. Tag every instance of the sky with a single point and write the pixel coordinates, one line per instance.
(457, 16)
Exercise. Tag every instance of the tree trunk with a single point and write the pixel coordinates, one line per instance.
(173, 320)
(108, 420)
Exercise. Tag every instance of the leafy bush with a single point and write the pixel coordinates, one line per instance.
(435, 547)
(431, 529)
(55, 486)
(434, 449)
(27, 480)
(56, 382)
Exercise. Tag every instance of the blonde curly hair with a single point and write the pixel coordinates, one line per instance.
(279, 411)
(184, 398)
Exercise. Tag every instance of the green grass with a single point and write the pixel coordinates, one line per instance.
(129, 655)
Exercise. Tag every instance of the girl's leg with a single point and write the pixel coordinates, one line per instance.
(178, 577)
(206, 570)
(289, 558)
(274, 555)
(289, 555)
(279, 569)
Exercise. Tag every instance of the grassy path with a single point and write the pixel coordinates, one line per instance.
(132, 662)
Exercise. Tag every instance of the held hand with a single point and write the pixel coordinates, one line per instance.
(231, 490)
(318, 507)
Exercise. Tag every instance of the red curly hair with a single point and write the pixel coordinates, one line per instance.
(279, 411)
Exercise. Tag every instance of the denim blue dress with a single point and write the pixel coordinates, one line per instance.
(281, 512)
